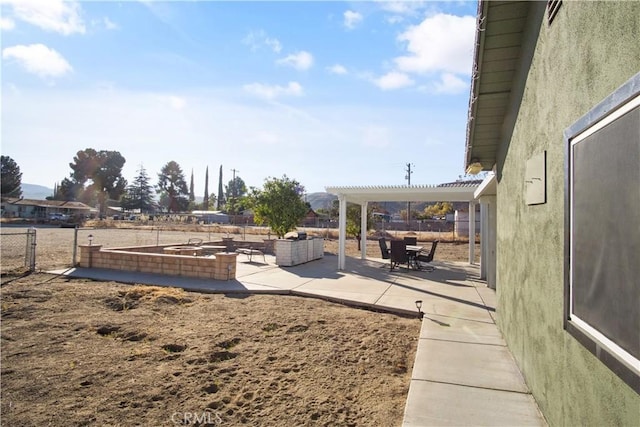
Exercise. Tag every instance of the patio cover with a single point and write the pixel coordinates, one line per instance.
(486, 195)
(454, 192)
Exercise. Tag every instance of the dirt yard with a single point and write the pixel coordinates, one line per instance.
(78, 352)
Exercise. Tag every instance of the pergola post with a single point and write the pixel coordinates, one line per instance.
(488, 241)
(484, 229)
(342, 230)
(363, 230)
(472, 231)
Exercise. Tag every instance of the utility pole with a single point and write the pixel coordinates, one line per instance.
(234, 181)
(408, 178)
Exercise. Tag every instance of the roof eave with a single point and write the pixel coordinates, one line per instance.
(475, 86)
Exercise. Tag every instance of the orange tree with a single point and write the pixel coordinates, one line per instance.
(279, 204)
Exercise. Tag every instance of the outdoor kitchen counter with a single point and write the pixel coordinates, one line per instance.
(294, 252)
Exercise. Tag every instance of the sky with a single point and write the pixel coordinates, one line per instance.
(328, 93)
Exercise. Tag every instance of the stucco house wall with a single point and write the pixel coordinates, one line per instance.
(589, 50)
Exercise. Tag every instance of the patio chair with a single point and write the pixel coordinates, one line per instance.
(411, 240)
(386, 252)
(427, 257)
(399, 253)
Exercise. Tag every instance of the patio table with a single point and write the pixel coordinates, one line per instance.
(413, 251)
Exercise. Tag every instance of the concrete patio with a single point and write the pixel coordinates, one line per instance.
(463, 373)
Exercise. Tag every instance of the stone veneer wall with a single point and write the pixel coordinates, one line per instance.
(222, 266)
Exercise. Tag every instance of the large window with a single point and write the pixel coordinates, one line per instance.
(602, 250)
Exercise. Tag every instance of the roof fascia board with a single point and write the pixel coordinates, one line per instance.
(486, 188)
(483, 6)
(535, 19)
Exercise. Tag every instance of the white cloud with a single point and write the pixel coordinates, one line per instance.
(395, 19)
(6, 24)
(257, 39)
(401, 7)
(105, 23)
(337, 69)
(393, 80)
(38, 59)
(274, 44)
(301, 61)
(51, 15)
(110, 25)
(399, 10)
(274, 91)
(451, 84)
(440, 43)
(352, 19)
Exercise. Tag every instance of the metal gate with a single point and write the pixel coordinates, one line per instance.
(18, 250)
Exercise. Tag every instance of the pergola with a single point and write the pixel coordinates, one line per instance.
(456, 192)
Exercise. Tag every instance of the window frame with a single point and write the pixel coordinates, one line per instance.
(624, 100)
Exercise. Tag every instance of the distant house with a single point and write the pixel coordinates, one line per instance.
(555, 113)
(211, 217)
(311, 219)
(43, 209)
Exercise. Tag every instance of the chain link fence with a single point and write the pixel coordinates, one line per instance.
(57, 247)
(18, 250)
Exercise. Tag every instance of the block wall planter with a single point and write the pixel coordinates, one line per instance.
(221, 266)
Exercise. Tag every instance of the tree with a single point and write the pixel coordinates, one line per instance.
(279, 204)
(353, 218)
(403, 214)
(67, 190)
(212, 201)
(220, 200)
(437, 210)
(10, 177)
(205, 199)
(192, 195)
(139, 195)
(104, 169)
(163, 201)
(171, 181)
(236, 190)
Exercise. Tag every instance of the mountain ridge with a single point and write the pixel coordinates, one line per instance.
(36, 192)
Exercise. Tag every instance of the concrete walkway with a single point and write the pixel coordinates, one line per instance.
(463, 372)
